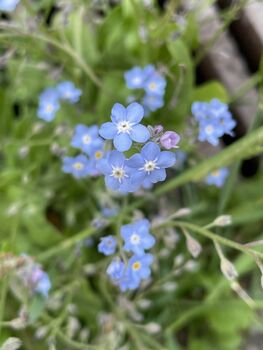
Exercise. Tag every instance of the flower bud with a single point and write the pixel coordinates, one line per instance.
(193, 246)
(228, 269)
(153, 328)
(11, 344)
(169, 139)
(157, 129)
(223, 220)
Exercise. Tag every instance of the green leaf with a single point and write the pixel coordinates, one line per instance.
(207, 91)
(36, 308)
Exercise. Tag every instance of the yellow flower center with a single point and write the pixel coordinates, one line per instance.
(136, 266)
(78, 166)
(98, 154)
(49, 107)
(216, 173)
(153, 86)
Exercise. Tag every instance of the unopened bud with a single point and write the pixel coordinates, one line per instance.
(228, 269)
(223, 220)
(41, 332)
(153, 328)
(18, 323)
(23, 151)
(183, 212)
(193, 246)
(73, 327)
(11, 344)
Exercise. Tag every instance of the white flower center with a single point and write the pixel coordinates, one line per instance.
(136, 80)
(49, 108)
(118, 173)
(135, 239)
(78, 166)
(124, 127)
(149, 166)
(209, 129)
(152, 86)
(86, 139)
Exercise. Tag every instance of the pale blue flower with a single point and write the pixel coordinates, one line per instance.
(48, 104)
(135, 77)
(78, 166)
(150, 164)
(217, 177)
(155, 84)
(137, 237)
(68, 92)
(152, 102)
(125, 126)
(107, 245)
(87, 139)
(8, 5)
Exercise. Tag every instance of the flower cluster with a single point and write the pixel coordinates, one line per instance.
(137, 239)
(87, 140)
(49, 99)
(142, 169)
(215, 120)
(8, 5)
(217, 177)
(151, 81)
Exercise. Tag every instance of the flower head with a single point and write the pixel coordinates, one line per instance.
(152, 102)
(117, 174)
(139, 267)
(68, 92)
(125, 126)
(169, 139)
(150, 164)
(87, 138)
(8, 5)
(41, 282)
(137, 237)
(48, 104)
(78, 166)
(217, 177)
(135, 77)
(107, 245)
(155, 84)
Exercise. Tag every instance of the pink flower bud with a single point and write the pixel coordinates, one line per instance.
(157, 129)
(169, 139)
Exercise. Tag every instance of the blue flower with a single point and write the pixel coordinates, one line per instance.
(214, 120)
(8, 5)
(125, 126)
(116, 270)
(117, 174)
(78, 166)
(155, 84)
(217, 177)
(152, 102)
(135, 77)
(48, 104)
(87, 138)
(138, 269)
(108, 212)
(107, 245)
(68, 92)
(137, 237)
(150, 164)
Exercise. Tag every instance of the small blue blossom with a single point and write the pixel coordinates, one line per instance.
(135, 77)
(48, 104)
(214, 120)
(40, 280)
(8, 5)
(138, 269)
(87, 138)
(107, 245)
(125, 126)
(68, 92)
(78, 166)
(152, 102)
(155, 84)
(108, 212)
(117, 174)
(137, 237)
(150, 164)
(116, 270)
(217, 177)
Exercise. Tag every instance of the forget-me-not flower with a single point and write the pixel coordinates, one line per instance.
(39, 280)
(139, 268)
(117, 174)
(152, 102)
(125, 126)
(135, 77)
(150, 164)
(107, 245)
(217, 177)
(137, 237)
(155, 84)
(68, 92)
(78, 166)
(8, 5)
(48, 104)
(87, 138)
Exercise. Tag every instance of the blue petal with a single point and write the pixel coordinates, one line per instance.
(122, 142)
(135, 113)
(145, 272)
(103, 166)
(166, 159)
(137, 178)
(112, 183)
(118, 113)
(116, 158)
(150, 151)
(108, 131)
(148, 241)
(140, 133)
(157, 175)
(136, 161)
